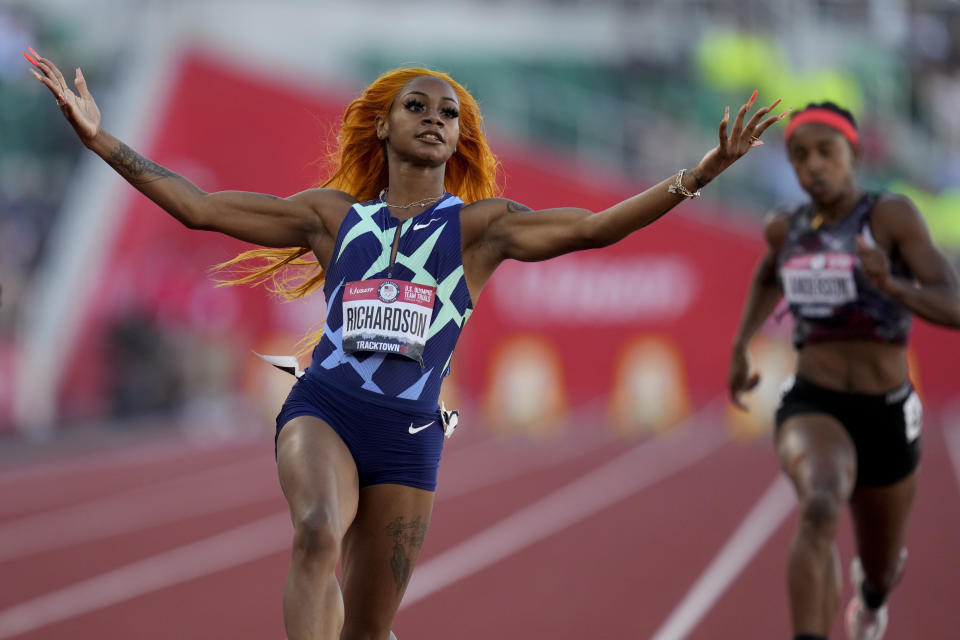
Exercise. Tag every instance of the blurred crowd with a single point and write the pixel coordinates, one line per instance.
(35, 159)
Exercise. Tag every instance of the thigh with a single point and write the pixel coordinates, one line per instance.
(887, 436)
(380, 551)
(317, 474)
(817, 453)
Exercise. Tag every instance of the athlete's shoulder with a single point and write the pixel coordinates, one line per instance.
(324, 196)
(331, 205)
(893, 204)
(895, 216)
(494, 207)
(481, 218)
(776, 224)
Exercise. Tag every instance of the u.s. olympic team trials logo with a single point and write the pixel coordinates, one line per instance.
(388, 291)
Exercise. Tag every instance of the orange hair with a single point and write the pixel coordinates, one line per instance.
(360, 169)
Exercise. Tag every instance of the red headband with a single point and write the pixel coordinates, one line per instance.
(823, 116)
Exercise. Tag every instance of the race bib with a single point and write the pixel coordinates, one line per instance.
(387, 316)
(822, 279)
(913, 417)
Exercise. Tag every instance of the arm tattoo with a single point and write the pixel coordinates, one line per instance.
(516, 207)
(698, 180)
(134, 167)
(406, 534)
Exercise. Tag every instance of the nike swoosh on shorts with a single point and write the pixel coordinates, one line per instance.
(413, 430)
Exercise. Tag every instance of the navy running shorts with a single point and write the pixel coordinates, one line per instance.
(885, 427)
(391, 440)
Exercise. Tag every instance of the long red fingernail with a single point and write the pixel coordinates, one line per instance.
(32, 61)
(34, 51)
(752, 98)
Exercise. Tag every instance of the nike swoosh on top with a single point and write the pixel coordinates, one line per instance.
(413, 430)
(424, 225)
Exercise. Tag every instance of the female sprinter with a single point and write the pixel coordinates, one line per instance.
(402, 260)
(854, 266)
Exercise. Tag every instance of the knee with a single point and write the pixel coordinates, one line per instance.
(820, 513)
(884, 580)
(316, 538)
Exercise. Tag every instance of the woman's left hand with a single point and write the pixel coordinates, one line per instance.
(874, 262)
(743, 137)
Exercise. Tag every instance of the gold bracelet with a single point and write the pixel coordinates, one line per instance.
(678, 188)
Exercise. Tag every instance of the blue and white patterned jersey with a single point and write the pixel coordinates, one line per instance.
(428, 253)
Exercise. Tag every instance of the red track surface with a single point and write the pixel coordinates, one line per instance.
(585, 536)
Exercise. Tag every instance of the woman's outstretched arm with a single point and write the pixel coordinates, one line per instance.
(512, 231)
(297, 221)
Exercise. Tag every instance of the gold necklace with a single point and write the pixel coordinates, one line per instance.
(418, 203)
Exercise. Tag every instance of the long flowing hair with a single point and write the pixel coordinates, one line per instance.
(360, 169)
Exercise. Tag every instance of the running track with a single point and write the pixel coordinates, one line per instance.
(585, 536)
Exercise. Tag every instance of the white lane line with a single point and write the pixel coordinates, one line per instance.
(126, 454)
(245, 544)
(641, 466)
(232, 548)
(204, 557)
(763, 520)
(203, 493)
(208, 491)
(510, 461)
(603, 487)
(951, 434)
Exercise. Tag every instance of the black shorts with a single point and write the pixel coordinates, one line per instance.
(885, 427)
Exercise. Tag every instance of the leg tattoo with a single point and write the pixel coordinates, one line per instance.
(407, 535)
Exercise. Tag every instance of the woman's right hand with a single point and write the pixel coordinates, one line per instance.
(78, 108)
(739, 378)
